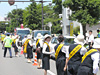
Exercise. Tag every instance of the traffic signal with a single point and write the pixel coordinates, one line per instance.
(11, 2)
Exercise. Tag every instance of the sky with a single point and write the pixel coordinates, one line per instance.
(6, 8)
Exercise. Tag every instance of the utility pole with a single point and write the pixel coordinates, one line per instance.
(42, 16)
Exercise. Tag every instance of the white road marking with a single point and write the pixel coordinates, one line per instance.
(51, 72)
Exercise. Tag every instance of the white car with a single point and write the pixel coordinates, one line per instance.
(68, 40)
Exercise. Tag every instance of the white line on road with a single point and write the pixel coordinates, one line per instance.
(51, 72)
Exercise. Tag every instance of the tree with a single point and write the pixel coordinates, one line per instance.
(32, 16)
(58, 6)
(85, 11)
(16, 17)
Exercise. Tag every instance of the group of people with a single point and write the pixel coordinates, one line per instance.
(76, 59)
(70, 60)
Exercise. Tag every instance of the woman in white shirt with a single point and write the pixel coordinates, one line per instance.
(46, 54)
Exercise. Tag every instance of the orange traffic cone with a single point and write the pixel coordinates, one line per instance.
(21, 50)
(35, 60)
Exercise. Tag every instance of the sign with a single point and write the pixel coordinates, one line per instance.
(11, 2)
(71, 29)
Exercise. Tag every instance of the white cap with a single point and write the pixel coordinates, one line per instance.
(96, 43)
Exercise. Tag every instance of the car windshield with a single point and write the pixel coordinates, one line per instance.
(42, 32)
(23, 32)
(68, 41)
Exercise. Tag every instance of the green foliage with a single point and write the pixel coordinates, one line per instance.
(3, 26)
(85, 11)
(58, 6)
(31, 17)
(76, 30)
(16, 19)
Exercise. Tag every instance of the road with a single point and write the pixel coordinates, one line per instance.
(19, 66)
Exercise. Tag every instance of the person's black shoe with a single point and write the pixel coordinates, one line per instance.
(10, 56)
(4, 56)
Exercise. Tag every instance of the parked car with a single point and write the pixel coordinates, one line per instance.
(68, 40)
(34, 35)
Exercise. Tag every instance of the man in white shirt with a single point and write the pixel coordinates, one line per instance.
(91, 39)
(90, 61)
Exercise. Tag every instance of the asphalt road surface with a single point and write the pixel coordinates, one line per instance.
(19, 66)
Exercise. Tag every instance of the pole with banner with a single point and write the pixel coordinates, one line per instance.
(71, 29)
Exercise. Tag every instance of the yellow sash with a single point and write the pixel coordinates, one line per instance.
(58, 50)
(88, 53)
(37, 42)
(74, 51)
(25, 45)
(15, 40)
(47, 45)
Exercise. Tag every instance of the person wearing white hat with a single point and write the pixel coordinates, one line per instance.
(46, 54)
(39, 46)
(29, 47)
(75, 53)
(90, 61)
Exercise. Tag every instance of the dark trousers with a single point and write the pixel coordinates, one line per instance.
(72, 69)
(60, 64)
(5, 51)
(29, 53)
(90, 45)
(83, 70)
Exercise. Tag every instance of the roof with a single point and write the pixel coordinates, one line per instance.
(72, 37)
(39, 30)
(69, 37)
(22, 29)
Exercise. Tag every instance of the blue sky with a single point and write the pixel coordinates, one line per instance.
(5, 7)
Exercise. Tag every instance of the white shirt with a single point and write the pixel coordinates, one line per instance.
(91, 38)
(95, 58)
(17, 42)
(30, 43)
(44, 49)
(23, 40)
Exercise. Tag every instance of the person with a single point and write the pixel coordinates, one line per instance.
(2, 39)
(86, 37)
(7, 45)
(39, 46)
(16, 45)
(29, 49)
(23, 43)
(60, 56)
(98, 35)
(90, 61)
(91, 39)
(46, 54)
(76, 51)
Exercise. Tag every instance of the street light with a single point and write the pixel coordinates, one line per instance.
(50, 25)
